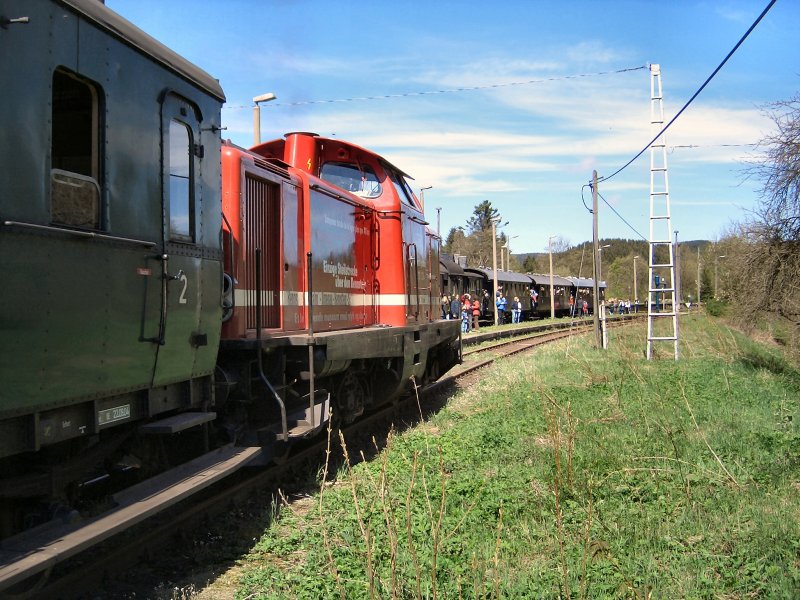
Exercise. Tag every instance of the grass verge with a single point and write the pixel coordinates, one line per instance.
(567, 473)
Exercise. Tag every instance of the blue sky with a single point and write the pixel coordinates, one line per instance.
(527, 148)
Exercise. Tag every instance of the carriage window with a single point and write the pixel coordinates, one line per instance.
(74, 152)
(361, 181)
(180, 182)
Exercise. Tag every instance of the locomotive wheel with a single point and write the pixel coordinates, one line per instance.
(350, 398)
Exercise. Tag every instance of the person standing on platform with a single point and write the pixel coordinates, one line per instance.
(455, 307)
(476, 313)
(501, 309)
(516, 310)
(466, 314)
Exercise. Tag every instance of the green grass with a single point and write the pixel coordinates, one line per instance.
(568, 473)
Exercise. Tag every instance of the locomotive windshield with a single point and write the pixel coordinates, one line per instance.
(359, 180)
(402, 188)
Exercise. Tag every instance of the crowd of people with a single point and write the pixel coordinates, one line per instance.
(470, 310)
(621, 307)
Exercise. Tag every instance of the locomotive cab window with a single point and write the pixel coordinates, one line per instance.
(74, 152)
(181, 226)
(359, 180)
(402, 188)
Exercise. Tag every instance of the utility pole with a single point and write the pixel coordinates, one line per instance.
(598, 335)
(494, 266)
(635, 285)
(552, 287)
(698, 275)
(716, 279)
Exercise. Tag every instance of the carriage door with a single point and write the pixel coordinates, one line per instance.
(181, 256)
(416, 257)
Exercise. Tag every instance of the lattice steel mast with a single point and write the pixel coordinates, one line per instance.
(662, 311)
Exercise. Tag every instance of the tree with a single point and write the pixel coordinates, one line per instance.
(769, 265)
(559, 244)
(530, 265)
(476, 245)
(482, 218)
(779, 170)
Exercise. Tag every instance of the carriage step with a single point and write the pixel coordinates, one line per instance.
(177, 423)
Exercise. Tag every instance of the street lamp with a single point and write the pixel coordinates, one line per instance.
(422, 198)
(635, 287)
(552, 286)
(600, 261)
(494, 259)
(508, 251)
(257, 115)
(698, 275)
(716, 295)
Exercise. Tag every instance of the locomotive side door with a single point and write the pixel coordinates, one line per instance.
(184, 271)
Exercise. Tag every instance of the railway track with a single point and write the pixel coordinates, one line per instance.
(70, 560)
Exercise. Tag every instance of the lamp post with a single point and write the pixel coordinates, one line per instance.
(508, 251)
(716, 294)
(257, 115)
(698, 276)
(422, 198)
(494, 265)
(494, 260)
(552, 286)
(600, 261)
(635, 285)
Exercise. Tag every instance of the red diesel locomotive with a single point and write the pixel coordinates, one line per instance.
(331, 271)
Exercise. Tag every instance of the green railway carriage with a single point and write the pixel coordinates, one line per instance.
(110, 230)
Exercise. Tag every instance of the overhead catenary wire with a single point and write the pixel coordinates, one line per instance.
(621, 217)
(697, 93)
(473, 88)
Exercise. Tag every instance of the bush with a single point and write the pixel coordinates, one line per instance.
(716, 308)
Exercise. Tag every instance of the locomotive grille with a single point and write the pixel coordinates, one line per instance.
(262, 230)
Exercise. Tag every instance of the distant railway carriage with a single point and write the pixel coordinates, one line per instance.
(457, 281)
(562, 287)
(511, 284)
(584, 290)
(474, 280)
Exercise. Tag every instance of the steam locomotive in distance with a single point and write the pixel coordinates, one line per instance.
(166, 292)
